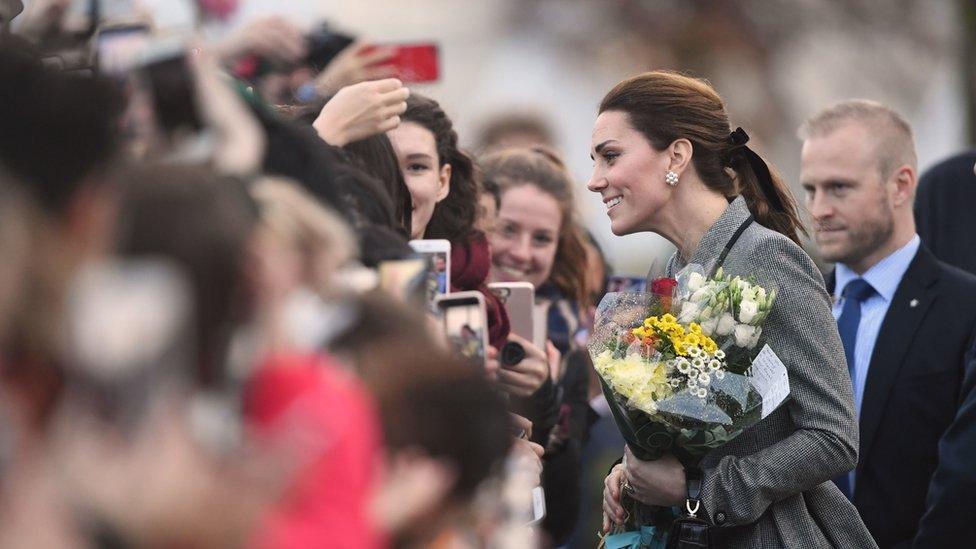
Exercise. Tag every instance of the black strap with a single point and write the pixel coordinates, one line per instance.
(728, 246)
(693, 475)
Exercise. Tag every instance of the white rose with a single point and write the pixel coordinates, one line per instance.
(689, 312)
(695, 281)
(748, 311)
(708, 326)
(700, 295)
(744, 334)
(725, 324)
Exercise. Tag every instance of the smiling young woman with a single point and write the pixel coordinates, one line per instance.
(536, 237)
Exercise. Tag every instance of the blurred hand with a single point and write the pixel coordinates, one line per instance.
(526, 377)
(240, 140)
(529, 455)
(272, 37)
(42, 18)
(357, 63)
(492, 364)
(415, 483)
(362, 110)
(555, 360)
(613, 512)
(660, 482)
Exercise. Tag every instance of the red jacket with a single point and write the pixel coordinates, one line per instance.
(306, 398)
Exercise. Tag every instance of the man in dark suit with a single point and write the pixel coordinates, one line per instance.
(906, 320)
(948, 522)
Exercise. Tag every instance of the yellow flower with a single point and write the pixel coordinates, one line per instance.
(709, 345)
(679, 346)
(641, 382)
(669, 318)
(694, 328)
(692, 339)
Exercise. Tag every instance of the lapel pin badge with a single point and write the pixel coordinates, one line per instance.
(913, 303)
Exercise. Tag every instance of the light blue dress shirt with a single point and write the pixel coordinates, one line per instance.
(884, 277)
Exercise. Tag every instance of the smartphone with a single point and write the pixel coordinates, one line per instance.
(323, 45)
(406, 279)
(117, 48)
(538, 505)
(415, 63)
(519, 301)
(623, 283)
(466, 324)
(171, 86)
(438, 254)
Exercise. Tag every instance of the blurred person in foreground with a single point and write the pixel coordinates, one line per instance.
(943, 210)
(80, 430)
(768, 487)
(60, 156)
(455, 474)
(245, 262)
(892, 300)
(536, 239)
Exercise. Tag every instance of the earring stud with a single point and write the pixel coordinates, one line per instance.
(671, 178)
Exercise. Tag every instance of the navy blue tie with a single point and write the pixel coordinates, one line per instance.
(855, 293)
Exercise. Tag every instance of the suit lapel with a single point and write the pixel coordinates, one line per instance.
(908, 308)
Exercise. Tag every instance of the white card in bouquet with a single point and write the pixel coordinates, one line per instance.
(770, 379)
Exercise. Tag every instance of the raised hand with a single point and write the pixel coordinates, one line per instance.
(362, 110)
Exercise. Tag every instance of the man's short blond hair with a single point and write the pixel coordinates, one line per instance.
(894, 142)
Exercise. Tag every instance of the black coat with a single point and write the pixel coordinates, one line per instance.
(949, 520)
(944, 210)
(911, 394)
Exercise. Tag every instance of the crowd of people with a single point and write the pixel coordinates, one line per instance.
(202, 343)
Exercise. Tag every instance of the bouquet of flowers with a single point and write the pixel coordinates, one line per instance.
(676, 363)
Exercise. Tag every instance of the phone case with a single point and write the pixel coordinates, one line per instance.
(519, 300)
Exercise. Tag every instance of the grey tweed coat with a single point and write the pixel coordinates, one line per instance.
(770, 487)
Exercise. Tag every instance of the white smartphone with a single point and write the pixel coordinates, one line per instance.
(466, 324)
(519, 301)
(538, 505)
(438, 253)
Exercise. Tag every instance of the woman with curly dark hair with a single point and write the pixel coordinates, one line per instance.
(443, 185)
(440, 176)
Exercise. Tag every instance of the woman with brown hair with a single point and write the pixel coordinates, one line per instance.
(667, 161)
(536, 239)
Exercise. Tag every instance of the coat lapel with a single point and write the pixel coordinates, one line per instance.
(908, 308)
(715, 238)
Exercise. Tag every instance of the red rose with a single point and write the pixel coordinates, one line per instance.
(663, 287)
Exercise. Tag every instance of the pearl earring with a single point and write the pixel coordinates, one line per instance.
(671, 178)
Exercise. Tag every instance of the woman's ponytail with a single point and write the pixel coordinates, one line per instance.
(769, 199)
